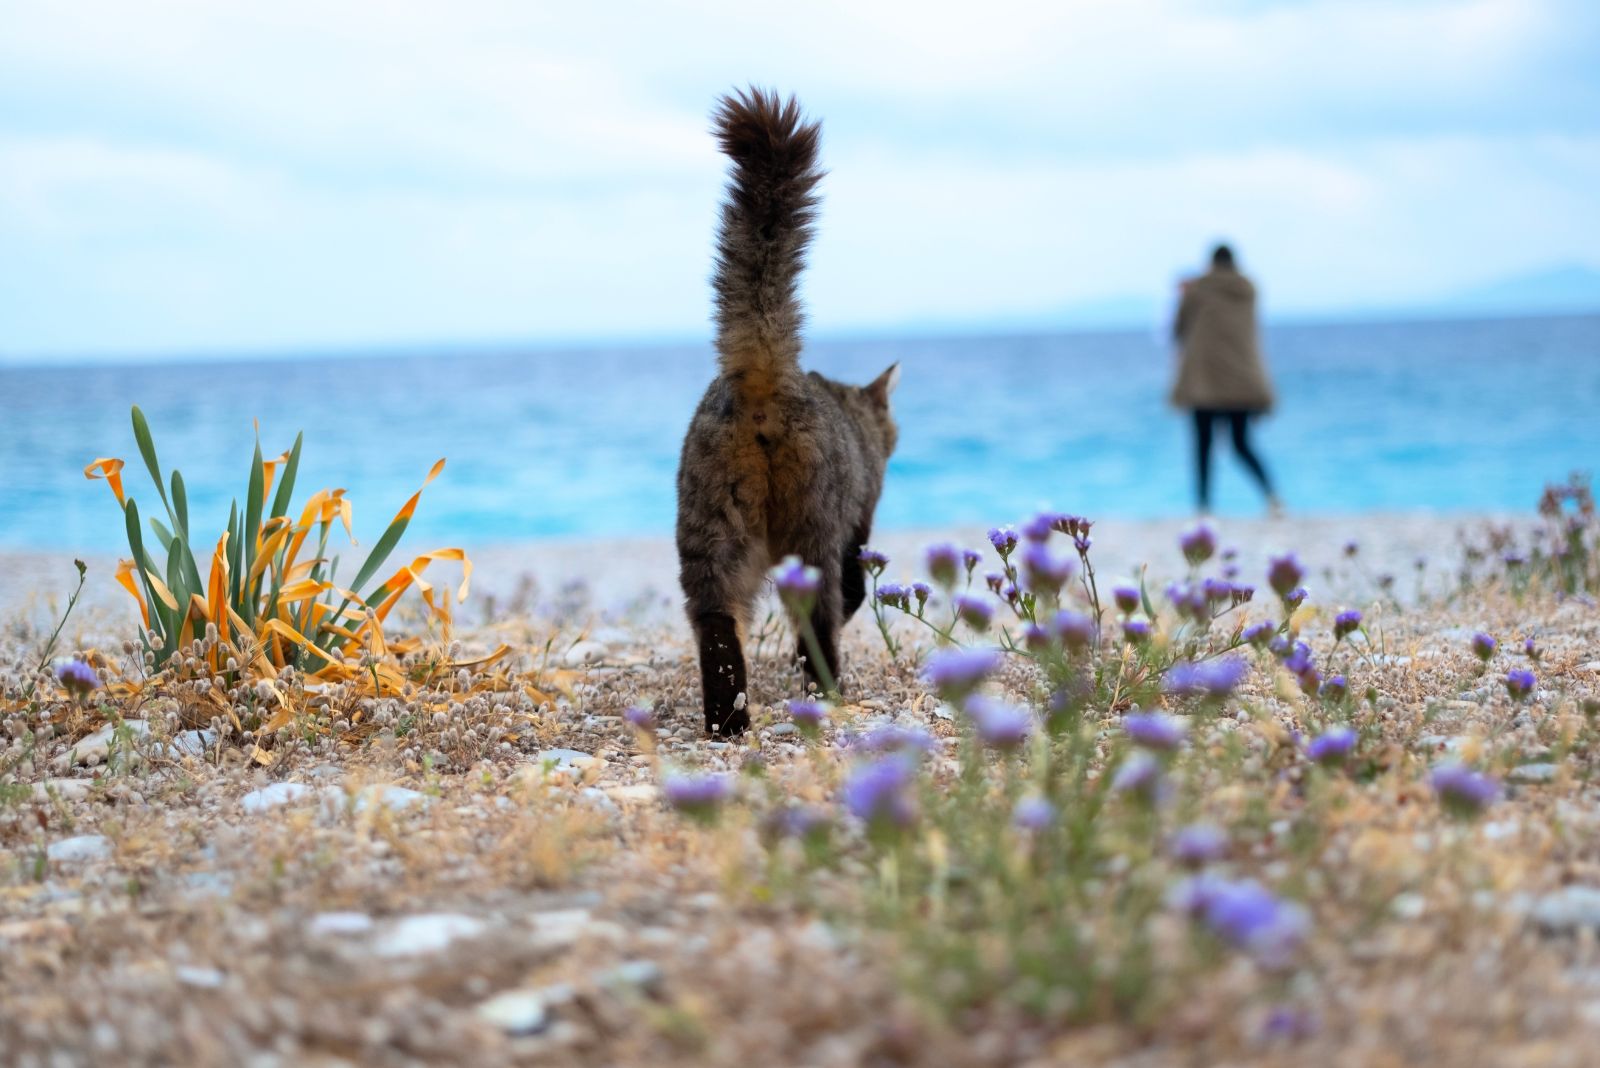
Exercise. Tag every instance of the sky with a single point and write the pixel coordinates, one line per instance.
(195, 177)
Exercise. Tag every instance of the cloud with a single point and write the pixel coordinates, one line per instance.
(191, 175)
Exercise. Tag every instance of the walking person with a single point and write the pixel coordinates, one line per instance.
(1221, 376)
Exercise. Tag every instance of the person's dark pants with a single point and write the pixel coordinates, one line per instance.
(1239, 427)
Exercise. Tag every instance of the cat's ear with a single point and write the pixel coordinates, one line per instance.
(884, 385)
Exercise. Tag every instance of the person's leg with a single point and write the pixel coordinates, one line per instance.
(1202, 456)
(1239, 424)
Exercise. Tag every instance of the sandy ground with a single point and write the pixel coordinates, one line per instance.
(483, 872)
(623, 576)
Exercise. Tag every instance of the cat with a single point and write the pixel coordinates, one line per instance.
(777, 461)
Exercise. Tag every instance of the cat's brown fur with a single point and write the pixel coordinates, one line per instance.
(777, 461)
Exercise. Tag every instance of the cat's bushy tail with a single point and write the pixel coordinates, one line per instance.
(765, 228)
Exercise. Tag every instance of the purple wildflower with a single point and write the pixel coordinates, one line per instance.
(1520, 684)
(1297, 597)
(1346, 624)
(77, 677)
(1004, 540)
(1216, 591)
(921, 591)
(957, 672)
(1247, 915)
(873, 561)
(1197, 844)
(1332, 746)
(1530, 650)
(696, 796)
(944, 564)
(1043, 571)
(1000, 725)
(1259, 634)
(971, 558)
(1213, 679)
(1310, 680)
(1462, 791)
(641, 716)
(807, 714)
(893, 738)
(1335, 689)
(1483, 646)
(894, 595)
(1033, 813)
(1135, 631)
(995, 581)
(1351, 548)
(797, 584)
(975, 612)
(1284, 574)
(878, 793)
(1036, 638)
(1193, 894)
(796, 821)
(1075, 630)
(1155, 730)
(1127, 599)
(1139, 776)
(1289, 1023)
(1040, 527)
(1198, 545)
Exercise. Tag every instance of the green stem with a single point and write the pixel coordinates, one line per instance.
(50, 646)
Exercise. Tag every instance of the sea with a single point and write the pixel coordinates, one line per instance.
(1453, 417)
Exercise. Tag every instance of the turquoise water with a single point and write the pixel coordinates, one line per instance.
(1464, 416)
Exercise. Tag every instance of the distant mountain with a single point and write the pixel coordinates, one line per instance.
(1553, 290)
(1560, 290)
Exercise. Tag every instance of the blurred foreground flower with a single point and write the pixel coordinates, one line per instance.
(1462, 791)
(957, 672)
(878, 793)
(1197, 844)
(1033, 813)
(697, 796)
(77, 678)
(1520, 684)
(1333, 746)
(1001, 725)
(1213, 679)
(1154, 730)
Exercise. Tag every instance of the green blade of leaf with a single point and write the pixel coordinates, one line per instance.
(147, 449)
(163, 535)
(280, 500)
(252, 508)
(180, 504)
(380, 553)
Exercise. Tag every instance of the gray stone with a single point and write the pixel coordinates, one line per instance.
(64, 789)
(645, 975)
(586, 652)
(79, 850)
(94, 748)
(1531, 773)
(194, 743)
(393, 798)
(563, 758)
(274, 795)
(1568, 910)
(204, 978)
(516, 1012)
(559, 928)
(427, 933)
(325, 924)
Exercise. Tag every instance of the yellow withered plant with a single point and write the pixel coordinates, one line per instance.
(269, 586)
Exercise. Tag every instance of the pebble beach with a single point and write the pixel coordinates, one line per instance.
(483, 868)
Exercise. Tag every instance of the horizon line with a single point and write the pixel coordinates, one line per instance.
(1014, 327)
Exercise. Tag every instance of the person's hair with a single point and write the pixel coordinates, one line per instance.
(1222, 256)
